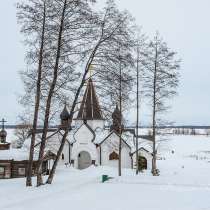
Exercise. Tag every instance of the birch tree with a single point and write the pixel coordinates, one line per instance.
(161, 77)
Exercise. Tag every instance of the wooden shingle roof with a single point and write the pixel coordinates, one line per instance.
(90, 108)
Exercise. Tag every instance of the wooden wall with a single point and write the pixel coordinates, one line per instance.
(17, 169)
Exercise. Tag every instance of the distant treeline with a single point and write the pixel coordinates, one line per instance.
(133, 127)
(15, 126)
(177, 126)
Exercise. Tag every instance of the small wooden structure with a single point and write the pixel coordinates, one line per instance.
(17, 169)
(14, 162)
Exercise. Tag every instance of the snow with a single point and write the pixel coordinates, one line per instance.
(15, 154)
(11, 135)
(183, 184)
(100, 136)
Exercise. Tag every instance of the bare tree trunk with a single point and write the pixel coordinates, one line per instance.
(120, 142)
(154, 159)
(137, 121)
(49, 99)
(161, 80)
(37, 103)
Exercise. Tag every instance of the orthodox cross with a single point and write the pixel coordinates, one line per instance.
(3, 121)
(91, 70)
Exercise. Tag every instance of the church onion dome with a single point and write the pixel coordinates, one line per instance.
(116, 114)
(64, 114)
(116, 121)
(3, 134)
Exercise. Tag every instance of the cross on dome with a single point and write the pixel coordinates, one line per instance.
(3, 121)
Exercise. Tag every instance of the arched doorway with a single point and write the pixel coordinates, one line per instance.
(142, 163)
(84, 160)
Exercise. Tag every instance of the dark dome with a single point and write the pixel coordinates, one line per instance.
(3, 134)
(117, 125)
(64, 114)
(116, 114)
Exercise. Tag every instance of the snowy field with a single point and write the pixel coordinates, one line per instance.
(183, 184)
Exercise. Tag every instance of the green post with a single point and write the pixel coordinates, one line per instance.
(105, 178)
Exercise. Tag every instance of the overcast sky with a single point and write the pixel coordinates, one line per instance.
(184, 24)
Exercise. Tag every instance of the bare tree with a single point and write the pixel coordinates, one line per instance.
(76, 36)
(22, 132)
(49, 99)
(71, 26)
(32, 17)
(137, 111)
(161, 77)
(140, 56)
(54, 30)
(112, 27)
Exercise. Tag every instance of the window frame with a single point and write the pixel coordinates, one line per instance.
(20, 173)
(4, 170)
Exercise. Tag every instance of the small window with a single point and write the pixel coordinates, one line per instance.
(113, 156)
(2, 170)
(22, 171)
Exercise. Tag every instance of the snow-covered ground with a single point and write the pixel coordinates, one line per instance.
(183, 184)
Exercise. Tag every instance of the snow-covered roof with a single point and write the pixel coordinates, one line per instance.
(16, 154)
(10, 135)
(128, 137)
(100, 136)
(143, 144)
(27, 142)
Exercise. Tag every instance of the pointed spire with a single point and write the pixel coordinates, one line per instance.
(90, 108)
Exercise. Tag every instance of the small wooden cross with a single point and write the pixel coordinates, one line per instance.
(91, 70)
(3, 121)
